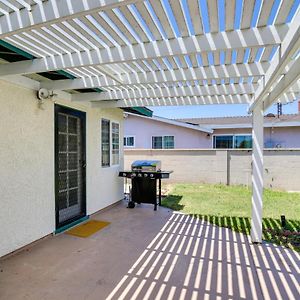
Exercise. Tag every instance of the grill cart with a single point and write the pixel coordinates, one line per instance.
(145, 175)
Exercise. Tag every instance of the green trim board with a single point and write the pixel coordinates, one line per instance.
(66, 74)
(16, 50)
(89, 90)
(98, 90)
(72, 224)
(14, 54)
(143, 111)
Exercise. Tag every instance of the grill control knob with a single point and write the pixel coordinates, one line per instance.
(133, 174)
(140, 175)
(151, 175)
(124, 174)
(145, 175)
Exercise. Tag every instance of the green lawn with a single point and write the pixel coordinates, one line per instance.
(230, 206)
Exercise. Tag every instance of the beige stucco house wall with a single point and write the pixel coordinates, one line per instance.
(27, 188)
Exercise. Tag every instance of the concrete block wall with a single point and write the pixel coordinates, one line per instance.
(282, 166)
(239, 164)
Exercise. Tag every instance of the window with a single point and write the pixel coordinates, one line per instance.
(223, 142)
(168, 142)
(129, 141)
(232, 141)
(242, 141)
(105, 143)
(157, 142)
(163, 142)
(115, 143)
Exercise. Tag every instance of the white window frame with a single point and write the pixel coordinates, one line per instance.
(111, 164)
(233, 139)
(101, 152)
(111, 144)
(162, 141)
(129, 136)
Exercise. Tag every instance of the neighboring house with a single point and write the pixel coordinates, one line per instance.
(159, 133)
(235, 132)
(222, 132)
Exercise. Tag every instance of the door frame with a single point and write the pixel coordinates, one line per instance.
(82, 116)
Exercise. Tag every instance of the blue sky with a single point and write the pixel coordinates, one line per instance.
(222, 110)
(219, 110)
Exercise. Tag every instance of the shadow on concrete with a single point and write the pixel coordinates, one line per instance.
(289, 236)
(191, 258)
(146, 254)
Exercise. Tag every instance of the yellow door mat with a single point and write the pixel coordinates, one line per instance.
(88, 228)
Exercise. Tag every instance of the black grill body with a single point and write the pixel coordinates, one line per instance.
(144, 190)
(145, 183)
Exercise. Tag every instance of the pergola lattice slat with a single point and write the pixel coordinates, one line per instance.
(209, 42)
(165, 92)
(101, 81)
(171, 101)
(50, 12)
(289, 46)
(284, 84)
(187, 75)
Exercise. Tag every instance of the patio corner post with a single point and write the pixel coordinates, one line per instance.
(257, 173)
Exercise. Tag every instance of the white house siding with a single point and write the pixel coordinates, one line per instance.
(27, 203)
(143, 129)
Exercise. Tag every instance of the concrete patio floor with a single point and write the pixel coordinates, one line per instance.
(144, 254)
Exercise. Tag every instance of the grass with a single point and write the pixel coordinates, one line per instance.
(230, 206)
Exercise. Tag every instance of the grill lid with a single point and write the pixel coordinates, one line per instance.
(154, 165)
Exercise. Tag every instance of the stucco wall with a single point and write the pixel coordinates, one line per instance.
(282, 137)
(288, 137)
(27, 201)
(282, 167)
(143, 129)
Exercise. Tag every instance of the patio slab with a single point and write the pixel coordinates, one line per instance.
(144, 254)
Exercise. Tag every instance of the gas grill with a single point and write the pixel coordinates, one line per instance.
(145, 176)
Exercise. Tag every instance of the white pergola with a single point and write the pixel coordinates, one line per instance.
(162, 52)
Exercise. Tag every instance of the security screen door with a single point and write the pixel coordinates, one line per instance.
(69, 165)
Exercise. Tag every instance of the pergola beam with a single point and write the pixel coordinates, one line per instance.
(173, 101)
(200, 73)
(49, 12)
(289, 46)
(289, 79)
(289, 97)
(295, 88)
(191, 74)
(165, 92)
(183, 74)
(239, 39)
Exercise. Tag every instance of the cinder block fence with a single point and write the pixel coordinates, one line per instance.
(281, 166)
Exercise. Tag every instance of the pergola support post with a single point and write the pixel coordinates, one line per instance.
(257, 173)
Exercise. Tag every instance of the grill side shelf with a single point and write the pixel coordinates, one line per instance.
(151, 175)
